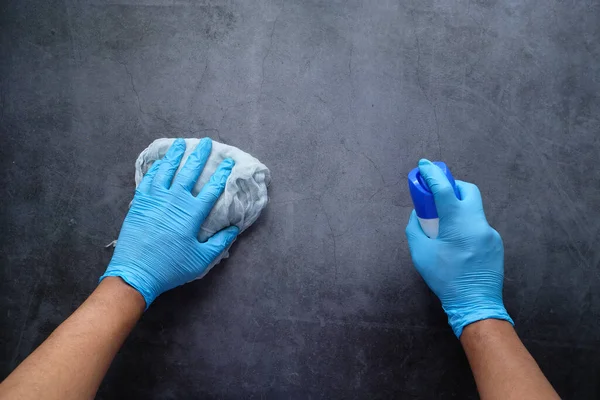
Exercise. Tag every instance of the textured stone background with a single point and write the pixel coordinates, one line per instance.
(340, 99)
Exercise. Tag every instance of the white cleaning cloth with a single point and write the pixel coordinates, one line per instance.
(245, 193)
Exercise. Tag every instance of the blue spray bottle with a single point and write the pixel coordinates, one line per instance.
(423, 199)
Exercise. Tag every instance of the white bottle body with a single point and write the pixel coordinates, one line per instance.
(430, 226)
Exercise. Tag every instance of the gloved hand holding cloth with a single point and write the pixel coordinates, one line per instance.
(158, 247)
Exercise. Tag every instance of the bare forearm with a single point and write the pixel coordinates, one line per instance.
(502, 366)
(71, 363)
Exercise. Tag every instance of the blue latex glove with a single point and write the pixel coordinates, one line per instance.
(464, 265)
(158, 247)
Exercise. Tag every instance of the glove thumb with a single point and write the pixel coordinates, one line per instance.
(413, 230)
(417, 239)
(220, 241)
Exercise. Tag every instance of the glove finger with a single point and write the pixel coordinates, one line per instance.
(189, 174)
(169, 165)
(418, 242)
(210, 193)
(219, 242)
(146, 183)
(414, 232)
(470, 194)
(438, 183)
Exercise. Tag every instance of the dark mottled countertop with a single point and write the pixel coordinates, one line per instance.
(340, 99)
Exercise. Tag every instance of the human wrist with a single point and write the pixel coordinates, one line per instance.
(483, 329)
(114, 292)
(139, 284)
(113, 307)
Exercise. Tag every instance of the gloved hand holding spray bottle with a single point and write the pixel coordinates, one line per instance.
(458, 254)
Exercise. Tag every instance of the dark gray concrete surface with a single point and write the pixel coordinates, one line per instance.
(340, 99)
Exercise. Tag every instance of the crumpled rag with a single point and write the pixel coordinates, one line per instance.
(245, 193)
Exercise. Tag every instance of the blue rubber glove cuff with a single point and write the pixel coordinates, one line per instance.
(471, 303)
(459, 322)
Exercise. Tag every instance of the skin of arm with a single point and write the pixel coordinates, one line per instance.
(157, 250)
(464, 267)
(502, 366)
(71, 363)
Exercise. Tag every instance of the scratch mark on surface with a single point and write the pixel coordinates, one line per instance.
(198, 87)
(560, 344)
(332, 235)
(40, 48)
(350, 60)
(226, 110)
(478, 23)
(218, 132)
(201, 80)
(426, 95)
(319, 98)
(374, 166)
(366, 157)
(141, 110)
(551, 142)
(268, 52)
(251, 352)
(66, 209)
(350, 77)
(359, 323)
(2, 102)
(137, 95)
(367, 203)
(294, 200)
(75, 53)
(437, 130)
